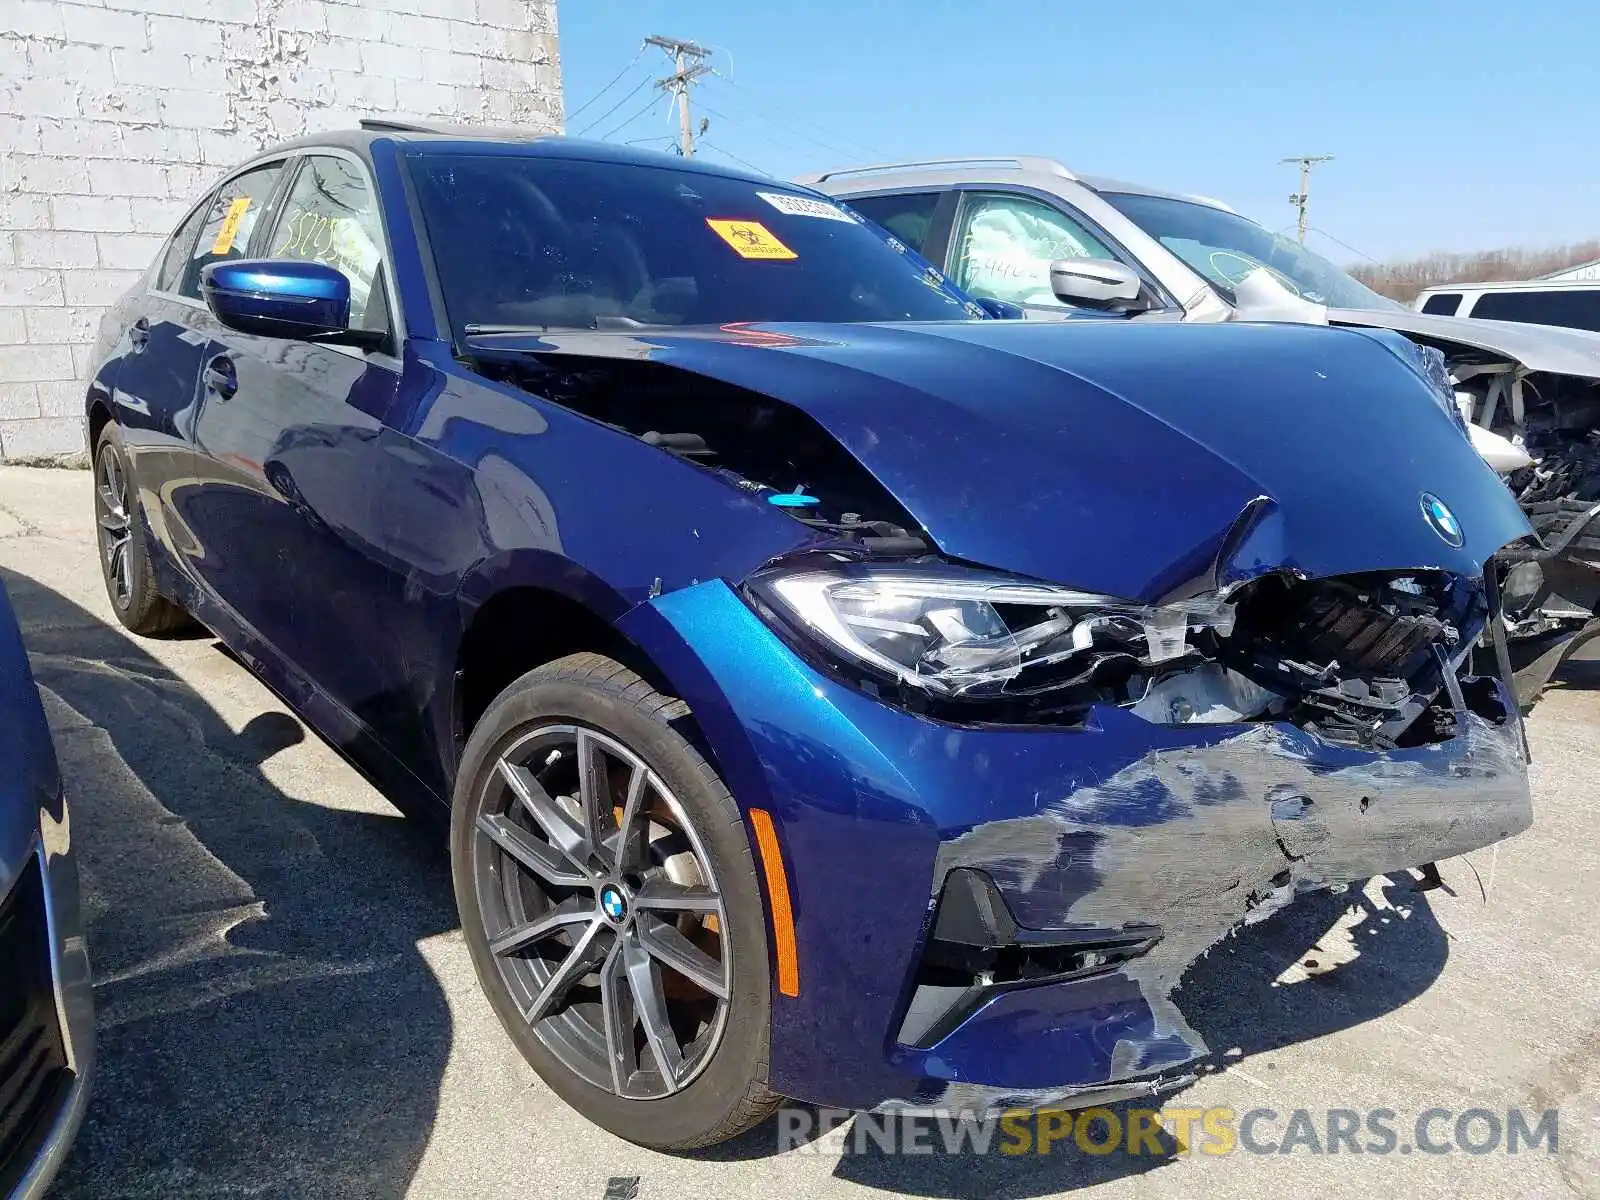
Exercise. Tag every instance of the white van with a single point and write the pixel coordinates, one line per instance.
(1572, 303)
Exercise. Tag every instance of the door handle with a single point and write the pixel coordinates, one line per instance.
(139, 334)
(220, 378)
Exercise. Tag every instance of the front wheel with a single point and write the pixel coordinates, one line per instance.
(609, 899)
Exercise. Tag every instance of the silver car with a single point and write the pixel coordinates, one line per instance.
(1030, 232)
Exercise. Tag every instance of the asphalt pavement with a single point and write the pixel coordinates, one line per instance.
(287, 1007)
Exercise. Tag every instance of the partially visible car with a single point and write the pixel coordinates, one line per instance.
(46, 1008)
(1572, 304)
(1029, 231)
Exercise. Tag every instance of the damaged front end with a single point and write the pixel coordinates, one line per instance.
(1370, 660)
(1081, 797)
(1354, 747)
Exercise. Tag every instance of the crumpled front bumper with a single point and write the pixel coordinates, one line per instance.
(1188, 829)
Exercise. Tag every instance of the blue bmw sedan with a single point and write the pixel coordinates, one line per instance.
(836, 692)
(46, 1007)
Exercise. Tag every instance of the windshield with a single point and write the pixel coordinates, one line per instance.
(1225, 247)
(565, 243)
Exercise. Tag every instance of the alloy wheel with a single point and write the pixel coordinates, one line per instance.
(602, 911)
(116, 525)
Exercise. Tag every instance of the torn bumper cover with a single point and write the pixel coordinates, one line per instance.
(1023, 901)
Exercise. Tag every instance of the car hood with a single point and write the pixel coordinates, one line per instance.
(1551, 348)
(1140, 460)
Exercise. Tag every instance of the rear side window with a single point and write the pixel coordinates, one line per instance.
(1005, 245)
(330, 217)
(178, 249)
(1442, 303)
(229, 222)
(1575, 308)
(909, 216)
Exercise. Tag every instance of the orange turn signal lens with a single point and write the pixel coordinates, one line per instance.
(778, 891)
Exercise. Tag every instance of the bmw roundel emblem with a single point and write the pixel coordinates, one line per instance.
(615, 906)
(1441, 520)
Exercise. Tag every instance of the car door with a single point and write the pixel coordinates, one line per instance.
(1002, 244)
(285, 504)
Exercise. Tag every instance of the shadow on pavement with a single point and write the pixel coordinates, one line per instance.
(267, 1025)
(1577, 675)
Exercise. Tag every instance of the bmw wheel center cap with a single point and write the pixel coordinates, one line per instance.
(613, 903)
(1441, 520)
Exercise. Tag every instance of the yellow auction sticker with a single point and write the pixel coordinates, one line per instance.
(230, 226)
(750, 239)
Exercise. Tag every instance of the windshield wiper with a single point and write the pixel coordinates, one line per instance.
(474, 329)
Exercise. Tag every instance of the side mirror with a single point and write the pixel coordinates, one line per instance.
(284, 298)
(1094, 281)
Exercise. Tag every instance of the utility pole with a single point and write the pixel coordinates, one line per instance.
(689, 64)
(1302, 199)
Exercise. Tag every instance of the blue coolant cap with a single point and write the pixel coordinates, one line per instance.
(794, 499)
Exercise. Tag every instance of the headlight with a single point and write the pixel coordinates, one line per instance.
(959, 634)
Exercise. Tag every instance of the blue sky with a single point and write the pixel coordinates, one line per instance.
(1456, 125)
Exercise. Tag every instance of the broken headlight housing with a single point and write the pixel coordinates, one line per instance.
(955, 635)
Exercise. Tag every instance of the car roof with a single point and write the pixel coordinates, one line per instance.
(513, 142)
(978, 168)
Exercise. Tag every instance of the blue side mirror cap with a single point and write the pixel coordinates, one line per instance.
(284, 298)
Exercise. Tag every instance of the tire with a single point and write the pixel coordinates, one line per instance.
(124, 550)
(545, 726)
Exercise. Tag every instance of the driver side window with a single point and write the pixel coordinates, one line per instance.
(1005, 244)
(330, 217)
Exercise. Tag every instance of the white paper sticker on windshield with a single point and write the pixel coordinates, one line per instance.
(805, 206)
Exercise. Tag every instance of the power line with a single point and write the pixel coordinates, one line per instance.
(616, 129)
(721, 116)
(1302, 199)
(1346, 245)
(637, 88)
(797, 120)
(730, 154)
(614, 80)
(689, 63)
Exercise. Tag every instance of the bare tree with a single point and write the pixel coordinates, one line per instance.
(1402, 280)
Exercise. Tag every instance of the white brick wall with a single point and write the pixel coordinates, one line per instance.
(115, 114)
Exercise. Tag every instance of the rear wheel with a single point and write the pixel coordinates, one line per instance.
(124, 551)
(609, 899)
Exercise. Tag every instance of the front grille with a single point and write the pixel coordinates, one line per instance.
(33, 1064)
